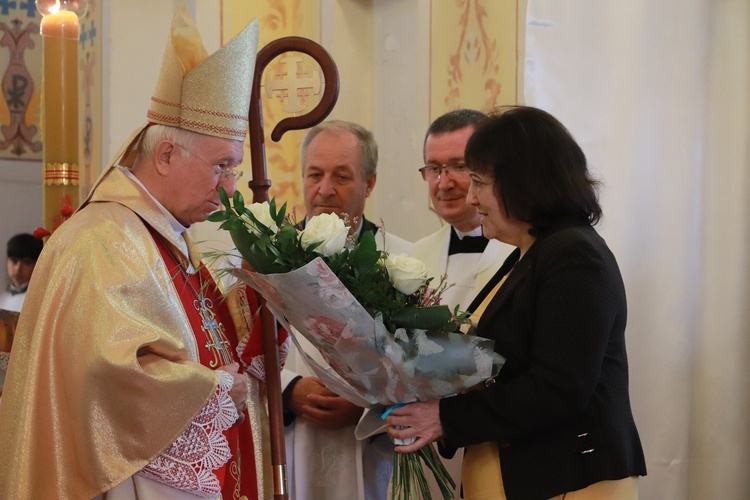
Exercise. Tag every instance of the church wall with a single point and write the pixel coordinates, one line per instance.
(389, 72)
(382, 49)
(401, 99)
(20, 203)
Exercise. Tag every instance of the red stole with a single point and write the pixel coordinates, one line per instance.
(237, 477)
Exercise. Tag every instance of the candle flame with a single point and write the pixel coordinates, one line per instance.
(54, 9)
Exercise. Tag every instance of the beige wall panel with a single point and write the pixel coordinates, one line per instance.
(90, 96)
(401, 111)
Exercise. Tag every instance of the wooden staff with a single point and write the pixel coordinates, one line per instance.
(259, 185)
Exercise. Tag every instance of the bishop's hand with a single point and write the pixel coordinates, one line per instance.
(238, 392)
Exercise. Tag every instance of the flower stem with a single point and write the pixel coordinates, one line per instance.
(409, 481)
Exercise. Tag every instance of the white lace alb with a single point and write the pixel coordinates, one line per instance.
(188, 464)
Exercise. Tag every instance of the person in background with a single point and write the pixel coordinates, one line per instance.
(339, 171)
(22, 253)
(556, 422)
(124, 379)
(458, 250)
(324, 459)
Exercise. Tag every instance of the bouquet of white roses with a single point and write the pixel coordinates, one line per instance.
(372, 317)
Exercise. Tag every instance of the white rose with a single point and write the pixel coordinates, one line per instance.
(262, 212)
(327, 228)
(407, 274)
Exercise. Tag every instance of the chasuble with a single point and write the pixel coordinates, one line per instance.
(112, 364)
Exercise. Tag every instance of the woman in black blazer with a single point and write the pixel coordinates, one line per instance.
(557, 419)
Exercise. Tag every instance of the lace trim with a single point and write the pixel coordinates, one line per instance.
(284, 350)
(188, 464)
(259, 363)
(4, 360)
(257, 366)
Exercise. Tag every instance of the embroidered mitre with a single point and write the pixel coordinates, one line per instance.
(208, 94)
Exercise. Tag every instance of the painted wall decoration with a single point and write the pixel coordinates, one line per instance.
(21, 66)
(475, 49)
(291, 85)
(90, 96)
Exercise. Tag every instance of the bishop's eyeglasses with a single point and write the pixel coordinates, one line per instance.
(453, 170)
(224, 171)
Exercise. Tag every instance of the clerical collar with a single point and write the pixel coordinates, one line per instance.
(477, 231)
(16, 290)
(468, 242)
(174, 223)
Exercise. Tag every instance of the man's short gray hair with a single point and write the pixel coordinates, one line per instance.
(368, 148)
(154, 134)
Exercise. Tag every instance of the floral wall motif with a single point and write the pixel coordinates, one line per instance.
(21, 66)
(470, 50)
(281, 96)
(475, 46)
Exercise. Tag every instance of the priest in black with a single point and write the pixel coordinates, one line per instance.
(458, 249)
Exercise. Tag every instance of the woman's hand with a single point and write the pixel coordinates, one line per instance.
(416, 420)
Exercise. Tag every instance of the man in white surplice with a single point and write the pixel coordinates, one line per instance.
(458, 249)
(324, 459)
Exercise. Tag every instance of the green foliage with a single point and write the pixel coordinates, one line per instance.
(359, 268)
(409, 481)
(362, 270)
(426, 318)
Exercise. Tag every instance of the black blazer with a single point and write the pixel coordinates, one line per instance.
(560, 408)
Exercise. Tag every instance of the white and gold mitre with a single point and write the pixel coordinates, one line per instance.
(197, 92)
(201, 93)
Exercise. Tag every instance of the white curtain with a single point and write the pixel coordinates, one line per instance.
(658, 95)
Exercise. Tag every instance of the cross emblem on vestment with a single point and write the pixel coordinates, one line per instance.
(218, 342)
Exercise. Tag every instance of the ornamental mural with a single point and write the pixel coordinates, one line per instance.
(476, 54)
(21, 65)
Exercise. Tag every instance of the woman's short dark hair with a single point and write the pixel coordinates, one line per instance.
(539, 171)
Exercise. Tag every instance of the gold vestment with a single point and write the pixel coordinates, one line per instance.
(104, 372)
